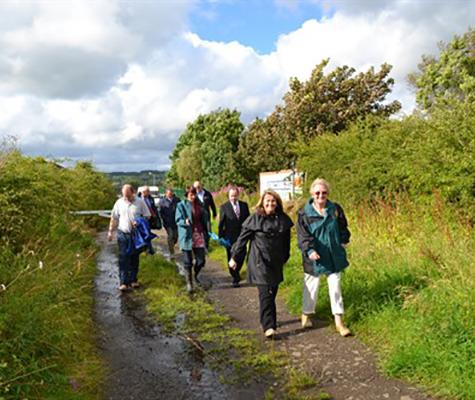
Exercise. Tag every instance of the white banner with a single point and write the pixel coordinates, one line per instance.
(287, 183)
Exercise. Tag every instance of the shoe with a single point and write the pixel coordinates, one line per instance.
(306, 321)
(135, 285)
(270, 333)
(343, 330)
(236, 284)
(123, 288)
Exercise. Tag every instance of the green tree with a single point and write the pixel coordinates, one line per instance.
(212, 140)
(264, 146)
(331, 102)
(325, 103)
(188, 164)
(448, 77)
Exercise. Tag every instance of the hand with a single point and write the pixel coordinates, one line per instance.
(134, 224)
(345, 245)
(109, 236)
(232, 264)
(314, 256)
(187, 221)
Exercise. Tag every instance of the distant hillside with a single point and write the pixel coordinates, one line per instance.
(146, 177)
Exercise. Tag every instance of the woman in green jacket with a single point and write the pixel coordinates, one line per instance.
(323, 234)
(192, 221)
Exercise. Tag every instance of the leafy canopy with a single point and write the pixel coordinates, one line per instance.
(449, 77)
(205, 150)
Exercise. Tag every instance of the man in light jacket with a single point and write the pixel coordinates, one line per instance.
(124, 213)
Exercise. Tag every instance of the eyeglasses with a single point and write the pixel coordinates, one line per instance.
(321, 193)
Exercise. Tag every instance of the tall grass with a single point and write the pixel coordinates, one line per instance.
(47, 266)
(409, 292)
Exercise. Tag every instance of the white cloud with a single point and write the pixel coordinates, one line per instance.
(116, 82)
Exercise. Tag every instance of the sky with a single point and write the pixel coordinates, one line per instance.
(116, 82)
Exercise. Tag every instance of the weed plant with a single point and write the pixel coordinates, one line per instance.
(47, 266)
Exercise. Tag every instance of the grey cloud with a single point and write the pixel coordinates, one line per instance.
(134, 156)
(69, 72)
(155, 21)
(62, 72)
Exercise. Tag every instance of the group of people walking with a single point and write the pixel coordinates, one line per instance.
(263, 238)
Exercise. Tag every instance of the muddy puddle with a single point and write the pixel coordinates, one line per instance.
(142, 362)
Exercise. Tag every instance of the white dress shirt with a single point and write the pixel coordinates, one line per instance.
(126, 212)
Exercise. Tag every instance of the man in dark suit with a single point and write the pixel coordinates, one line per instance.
(232, 214)
(207, 200)
(167, 213)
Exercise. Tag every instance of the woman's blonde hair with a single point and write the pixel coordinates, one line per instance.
(260, 205)
(319, 181)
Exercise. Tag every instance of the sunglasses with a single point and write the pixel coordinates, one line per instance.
(321, 193)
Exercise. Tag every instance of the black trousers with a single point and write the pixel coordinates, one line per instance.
(235, 273)
(267, 307)
(172, 238)
(200, 259)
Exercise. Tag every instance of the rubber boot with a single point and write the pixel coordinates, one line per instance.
(189, 281)
(171, 249)
(197, 271)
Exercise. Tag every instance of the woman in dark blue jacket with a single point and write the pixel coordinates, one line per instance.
(323, 235)
(268, 231)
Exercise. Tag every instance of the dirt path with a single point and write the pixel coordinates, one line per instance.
(344, 367)
(142, 362)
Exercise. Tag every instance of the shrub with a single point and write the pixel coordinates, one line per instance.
(47, 266)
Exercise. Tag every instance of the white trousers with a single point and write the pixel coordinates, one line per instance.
(310, 293)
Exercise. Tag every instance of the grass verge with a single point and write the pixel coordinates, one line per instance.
(47, 335)
(409, 293)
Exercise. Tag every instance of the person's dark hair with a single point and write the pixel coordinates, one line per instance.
(189, 189)
(260, 205)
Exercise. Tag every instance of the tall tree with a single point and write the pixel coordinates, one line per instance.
(189, 165)
(213, 139)
(324, 103)
(448, 77)
(264, 146)
(330, 102)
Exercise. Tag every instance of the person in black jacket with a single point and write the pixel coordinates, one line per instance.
(207, 201)
(155, 222)
(268, 231)
(167, 209)
(232, 214)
